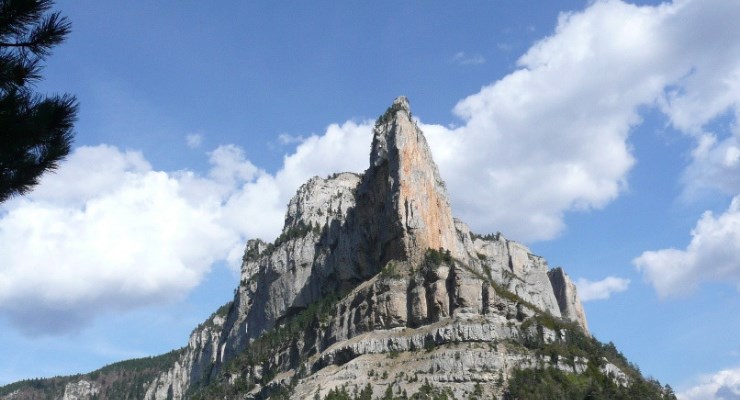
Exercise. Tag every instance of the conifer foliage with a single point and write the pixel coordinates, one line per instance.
(35, 130)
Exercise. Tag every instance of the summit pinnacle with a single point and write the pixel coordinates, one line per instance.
(404, 176)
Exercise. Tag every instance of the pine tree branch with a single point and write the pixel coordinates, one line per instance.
(17, 44)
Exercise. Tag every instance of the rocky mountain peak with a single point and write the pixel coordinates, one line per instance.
(373, 287)
(402, 102)
(405, 182)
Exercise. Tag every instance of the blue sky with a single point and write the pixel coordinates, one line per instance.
(602, 134)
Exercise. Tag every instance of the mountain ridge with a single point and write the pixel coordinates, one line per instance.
(373, 284)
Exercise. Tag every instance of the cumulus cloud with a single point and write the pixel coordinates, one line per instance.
(723, 385)
(702, 35)
(600, 290)
(708, 91)
(107, 232)
(703, 102)
(552, 136)
(712, 256)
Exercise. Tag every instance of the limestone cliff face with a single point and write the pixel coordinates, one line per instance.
(567, 296)
(80, 390)
(403, 275)
(204, 351)
(405, 185)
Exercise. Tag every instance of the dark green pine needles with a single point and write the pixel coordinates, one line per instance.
(35, 130)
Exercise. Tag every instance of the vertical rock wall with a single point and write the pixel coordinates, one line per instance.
(415, 201)
(567, 296)
(366, 237)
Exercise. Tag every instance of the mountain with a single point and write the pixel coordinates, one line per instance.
(374, 290)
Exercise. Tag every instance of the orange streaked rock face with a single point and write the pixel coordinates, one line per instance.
(417, 192)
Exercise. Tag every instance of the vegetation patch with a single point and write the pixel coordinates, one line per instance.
(427, 391)
(551, 383)
(299, 230)
(222, 312)
(122, 380)
(260, 351)
(435, 258)
(487, 237)
(390, 271)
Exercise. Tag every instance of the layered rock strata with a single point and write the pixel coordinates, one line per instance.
(404, 277)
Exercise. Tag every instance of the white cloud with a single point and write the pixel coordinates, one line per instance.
(552, 136)
(229, 166)
(712, 256)
(704, 36)
(108, 233)
(723, 385)
(715, 165)
(600, 290)
(462, 58)
(732, 156)
(194, 140)
(104, 233)
(694, 57)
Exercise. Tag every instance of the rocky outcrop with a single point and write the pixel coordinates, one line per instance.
(403, 276)
(405, 187)
(567, 296)
(458, 355)
(512, 265)
(80, 390)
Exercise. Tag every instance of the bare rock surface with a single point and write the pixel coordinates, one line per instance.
(567, 297)
(80, 390)
(417, 296)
